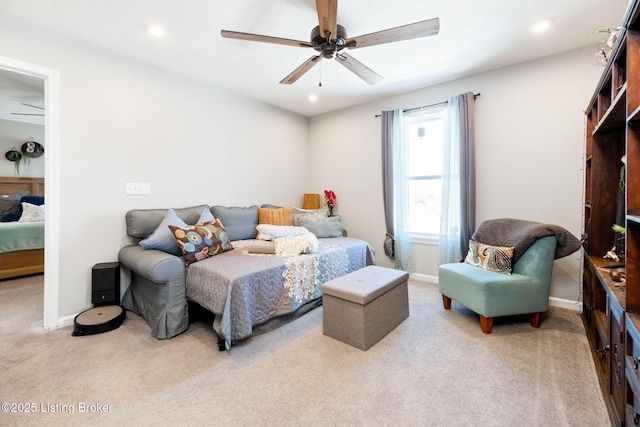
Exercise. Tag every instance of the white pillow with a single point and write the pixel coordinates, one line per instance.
(31, 213)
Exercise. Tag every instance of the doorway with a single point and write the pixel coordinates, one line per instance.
(51, 175)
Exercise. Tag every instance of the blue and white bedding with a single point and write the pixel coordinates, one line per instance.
(245, 289)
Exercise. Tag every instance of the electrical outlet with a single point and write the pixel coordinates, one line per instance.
(136, 188)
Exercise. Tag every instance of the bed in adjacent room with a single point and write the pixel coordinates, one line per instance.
(21, 230)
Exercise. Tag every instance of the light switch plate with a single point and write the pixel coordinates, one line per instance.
(137, 188)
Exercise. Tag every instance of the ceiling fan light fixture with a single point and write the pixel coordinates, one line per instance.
(542, 25)
(329, 39)
(155, 30)
(313, 97)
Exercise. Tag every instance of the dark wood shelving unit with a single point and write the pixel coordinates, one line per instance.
(611, 308)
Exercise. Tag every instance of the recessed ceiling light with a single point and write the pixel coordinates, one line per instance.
(542, 26)
(313, 97)
(155, 30)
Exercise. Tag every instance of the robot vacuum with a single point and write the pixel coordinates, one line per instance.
(98, 320)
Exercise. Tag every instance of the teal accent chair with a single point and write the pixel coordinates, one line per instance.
(491, 294)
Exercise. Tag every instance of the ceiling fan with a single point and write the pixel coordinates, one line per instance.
(30, 114)
(330, 39)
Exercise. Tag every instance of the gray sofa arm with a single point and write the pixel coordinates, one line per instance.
(157, 266)
(157, 290)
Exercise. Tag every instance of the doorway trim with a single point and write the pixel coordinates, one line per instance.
(51, 174)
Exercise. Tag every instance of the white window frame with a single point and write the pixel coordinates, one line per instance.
(425, 114)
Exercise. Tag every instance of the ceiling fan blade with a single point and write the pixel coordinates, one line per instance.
(264, 39)
(27, 114)
(298, 72)
(426, 28)
(34, 106)
(327, 17)
(358, 68)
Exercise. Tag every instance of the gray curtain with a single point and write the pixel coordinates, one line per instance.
(387, 180)
(466, 105)
(457, 222)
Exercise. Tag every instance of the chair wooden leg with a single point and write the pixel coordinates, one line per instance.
(446, 301)
(536, 319)
(486, 324)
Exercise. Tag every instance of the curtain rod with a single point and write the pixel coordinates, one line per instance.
(475, 95)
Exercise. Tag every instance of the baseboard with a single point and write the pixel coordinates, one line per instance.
(553, 301)
(566, 303)
(424, 278)
(66, 321)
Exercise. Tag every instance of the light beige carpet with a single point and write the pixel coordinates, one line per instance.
(436, 369)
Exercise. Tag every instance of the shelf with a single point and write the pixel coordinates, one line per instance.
(612, 131)
(613, 289)
(634, 117)
(633, 376)
(614, 119)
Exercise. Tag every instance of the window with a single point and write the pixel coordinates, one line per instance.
(426, 132)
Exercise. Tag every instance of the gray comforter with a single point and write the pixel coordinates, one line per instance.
(244, 289)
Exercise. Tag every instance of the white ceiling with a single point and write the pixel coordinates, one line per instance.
(16, 90)
(475, 36)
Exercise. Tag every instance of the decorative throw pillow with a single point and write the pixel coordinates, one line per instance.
(17, 213)
(240, 223)
(282, 216)
(32, 213)
(10, 202)
(323, 226)
(205, 216)
(16, 196)
(198, 242)
(301, 214)
(162, 239)
(492, 258)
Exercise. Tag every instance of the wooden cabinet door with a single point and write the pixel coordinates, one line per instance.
(617, 360)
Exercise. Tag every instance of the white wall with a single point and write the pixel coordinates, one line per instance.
(14, 134)
(124, 121)
(529, 153)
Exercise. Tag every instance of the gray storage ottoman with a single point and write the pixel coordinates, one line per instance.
(362, 307)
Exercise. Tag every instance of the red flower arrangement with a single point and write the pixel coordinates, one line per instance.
(330, 200)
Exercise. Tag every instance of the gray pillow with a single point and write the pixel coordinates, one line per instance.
(322, 227)
(162, 238)
(8, 205)
(142, 222)
(11, 203)
(240, 223)
(300, 214)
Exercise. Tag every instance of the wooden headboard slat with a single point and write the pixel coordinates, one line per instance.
(14, 184)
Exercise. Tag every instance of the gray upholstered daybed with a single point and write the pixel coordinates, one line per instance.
(244, 287)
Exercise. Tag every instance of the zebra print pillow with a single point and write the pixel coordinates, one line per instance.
(492, 258)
